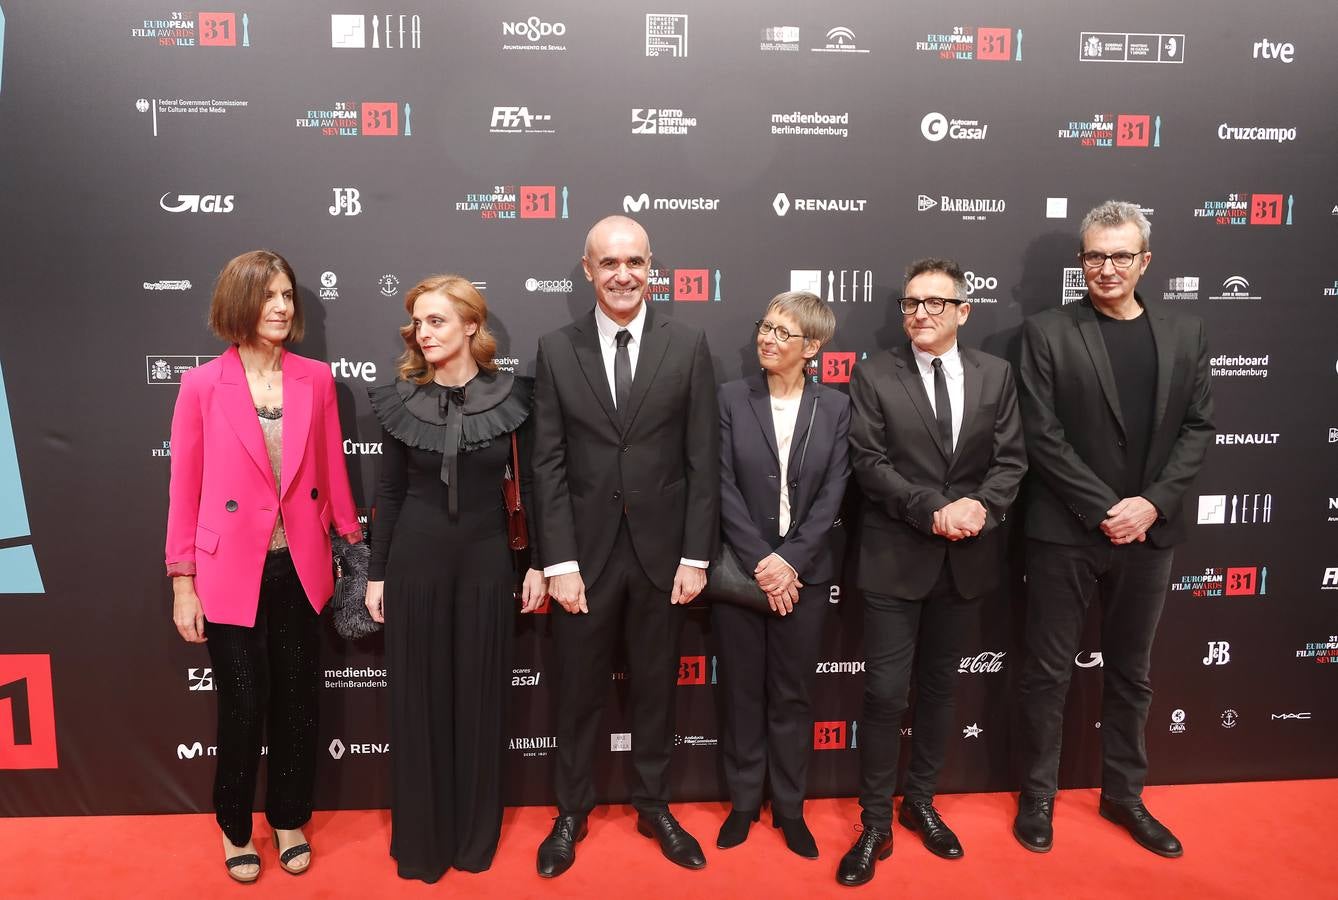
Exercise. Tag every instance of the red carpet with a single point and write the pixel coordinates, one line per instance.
(1259, 840)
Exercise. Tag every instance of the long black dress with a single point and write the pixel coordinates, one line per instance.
(439, 540)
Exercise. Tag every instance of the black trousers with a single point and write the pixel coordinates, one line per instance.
(1062, 581)
(767, 666)
(897, 631)
(266, 679)
(622, 602)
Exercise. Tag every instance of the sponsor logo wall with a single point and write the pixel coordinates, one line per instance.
(765, 150)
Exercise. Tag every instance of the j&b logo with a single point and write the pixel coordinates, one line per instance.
(1219, 653)
(347, 202)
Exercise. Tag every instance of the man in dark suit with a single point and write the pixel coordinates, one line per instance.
(936, 445)
(1117, 413)
(627, 492)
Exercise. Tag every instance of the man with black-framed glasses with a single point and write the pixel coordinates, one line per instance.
(936, 445)
(1117, 412)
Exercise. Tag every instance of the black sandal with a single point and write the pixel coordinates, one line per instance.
(243, 859)
(292, 853)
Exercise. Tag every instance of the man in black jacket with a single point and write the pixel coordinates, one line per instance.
(627, 490)
(1117, 413)
(936, 445)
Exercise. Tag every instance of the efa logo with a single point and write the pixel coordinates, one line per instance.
(692, 670)
(197, 203)
(27, 713)
(834, 735)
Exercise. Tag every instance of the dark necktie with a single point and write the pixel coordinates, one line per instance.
(942, 406)
(622, 372)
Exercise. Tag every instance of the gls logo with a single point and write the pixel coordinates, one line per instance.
(1219, 653)
(347, 202)
(1094, 660)
(198, 203)
(1266, 49)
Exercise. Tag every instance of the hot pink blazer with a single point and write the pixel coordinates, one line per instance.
(222, 500)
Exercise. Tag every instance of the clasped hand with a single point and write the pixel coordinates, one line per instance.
(962, 518)
(780, 582)
(1129, 520)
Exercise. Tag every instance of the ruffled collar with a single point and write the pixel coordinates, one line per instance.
(453, 420)
(494, 403)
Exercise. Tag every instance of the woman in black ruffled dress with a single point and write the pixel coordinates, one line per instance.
(442, 577)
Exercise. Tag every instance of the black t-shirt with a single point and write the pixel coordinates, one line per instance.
(1133, 358)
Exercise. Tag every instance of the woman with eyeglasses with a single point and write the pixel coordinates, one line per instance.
(783, 470)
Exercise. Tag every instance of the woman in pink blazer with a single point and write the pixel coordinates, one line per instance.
(258, 478)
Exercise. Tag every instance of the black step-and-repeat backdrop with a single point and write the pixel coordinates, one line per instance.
(766, 146)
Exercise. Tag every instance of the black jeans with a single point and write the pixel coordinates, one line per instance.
(897, 631)
(768, 664)
(266, 678)
(1062, 581)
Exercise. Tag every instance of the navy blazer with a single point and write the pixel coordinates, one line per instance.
(750, 476)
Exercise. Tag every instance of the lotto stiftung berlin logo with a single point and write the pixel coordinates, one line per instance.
(18, 565)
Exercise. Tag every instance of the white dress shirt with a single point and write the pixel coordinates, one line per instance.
(608, 349)
(952, 370)
(608, 342)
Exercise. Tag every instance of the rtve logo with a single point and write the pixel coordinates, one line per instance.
(27, 713)
(1266, 49)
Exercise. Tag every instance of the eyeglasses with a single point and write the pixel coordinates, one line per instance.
(1121, 260)
(933, 305)
(782, 333)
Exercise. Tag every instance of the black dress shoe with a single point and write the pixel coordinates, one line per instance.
(558, 850)
(676, 844)
(920, 816)
(857, 865)
(1032, 826)
(1136, 819)
(797, 836)
(735, 829)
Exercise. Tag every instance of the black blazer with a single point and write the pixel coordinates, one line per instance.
(906, 475)
(750, 476)
(660, 465)
(1075, 434)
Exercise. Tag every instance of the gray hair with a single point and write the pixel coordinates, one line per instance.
(815, 319)
(1113, 214)
(942, 266)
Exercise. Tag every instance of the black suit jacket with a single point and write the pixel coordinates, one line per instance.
(1075, 434)
(907, 476)
(750, 476)
(659, 464)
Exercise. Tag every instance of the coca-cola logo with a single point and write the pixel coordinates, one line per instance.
(985, 662)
